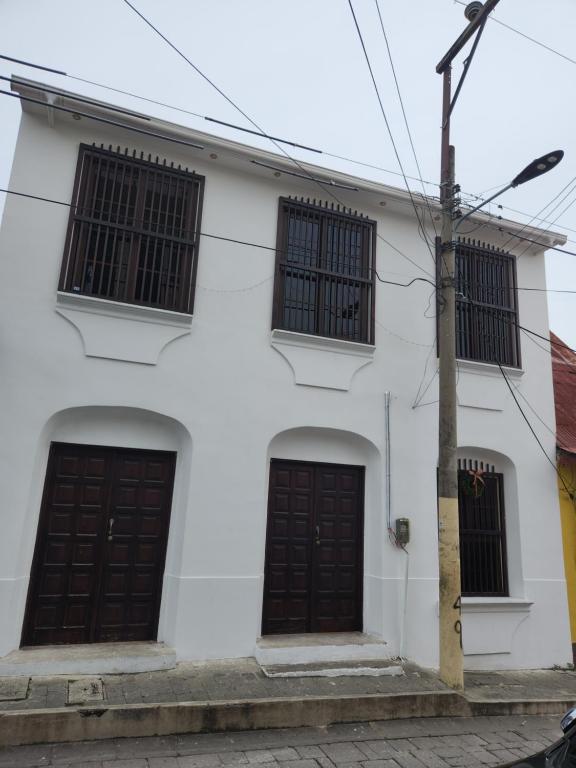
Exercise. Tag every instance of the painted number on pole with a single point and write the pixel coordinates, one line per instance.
(458, 629)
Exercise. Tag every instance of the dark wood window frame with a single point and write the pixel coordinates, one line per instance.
(321, 287)
(133, 230)
(482, 517)
(486, 305)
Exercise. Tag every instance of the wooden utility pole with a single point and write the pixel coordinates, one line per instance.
(451, 653)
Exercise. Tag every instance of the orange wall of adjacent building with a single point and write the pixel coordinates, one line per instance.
(567, 468)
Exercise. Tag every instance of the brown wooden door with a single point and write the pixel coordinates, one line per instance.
(101, 546)
(314, 546)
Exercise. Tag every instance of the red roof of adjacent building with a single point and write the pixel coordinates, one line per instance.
(564, 375)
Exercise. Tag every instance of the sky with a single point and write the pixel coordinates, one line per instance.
(298, 70)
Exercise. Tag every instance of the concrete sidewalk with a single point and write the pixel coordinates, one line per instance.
(238, 695)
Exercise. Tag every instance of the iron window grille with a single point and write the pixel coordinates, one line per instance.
(132, 232)
(324, 282)
(486, 305)
(483, 566)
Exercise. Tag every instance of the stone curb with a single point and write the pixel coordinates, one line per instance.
(39, 726)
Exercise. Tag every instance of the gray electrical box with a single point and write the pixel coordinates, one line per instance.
(402, 530)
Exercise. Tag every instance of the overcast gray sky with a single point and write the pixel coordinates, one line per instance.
(297, 68)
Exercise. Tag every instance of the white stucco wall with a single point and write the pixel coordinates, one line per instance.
(226, 401)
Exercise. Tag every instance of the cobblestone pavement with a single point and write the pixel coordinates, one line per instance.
(244, 679)
(421, 743)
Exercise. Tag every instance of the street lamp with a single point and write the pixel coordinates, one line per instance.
(536, 168)
(450, 625)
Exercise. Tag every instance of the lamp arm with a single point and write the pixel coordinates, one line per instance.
(482, 204)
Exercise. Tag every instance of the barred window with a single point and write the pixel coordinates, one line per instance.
(324, 283)
(483, 564)
(486, 305)
(132, 233)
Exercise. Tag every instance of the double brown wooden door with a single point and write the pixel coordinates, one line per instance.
(101, 546)
(314, 545)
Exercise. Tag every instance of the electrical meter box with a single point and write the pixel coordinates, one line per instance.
(402, 530)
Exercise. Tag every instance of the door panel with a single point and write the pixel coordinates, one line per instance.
(101, 544)
(288, 556)
(135, 547)
(338, 574)
(313, 572)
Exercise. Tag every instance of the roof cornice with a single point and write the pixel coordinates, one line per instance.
(54, 96)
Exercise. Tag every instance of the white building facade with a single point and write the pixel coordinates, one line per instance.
(207, 437)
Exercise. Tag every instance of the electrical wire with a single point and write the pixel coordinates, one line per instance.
(527, 37)
(416, 399)
(538, 219)
(402, 338)
(104, 120)
(277, 250)
(388, 128)
(345, 158)
(461, 297)
(570, 204)
(532, 430)
(549, 352)
(401, 100)
(278, 146)
(544, 245)
(527, 224)
(149, 100)
(223, 238)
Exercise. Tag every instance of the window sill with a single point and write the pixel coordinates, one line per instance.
(318, 361)
(110, 308)
(481, 385)
(488, 369)
(117, 331)
(495, 604)
(490, 624)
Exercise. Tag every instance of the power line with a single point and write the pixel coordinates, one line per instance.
(401, 100)
(549, 340)
(535, 216)
(325, 152)
(224, 95)
(513, 322)
(104, 120)
(277, 250)
(549, 352)
(226, 239)
(570, 204)
(531, 428)
(527, 37)
(255, 124)
(544, 245)
(383, 111)
(164, 104)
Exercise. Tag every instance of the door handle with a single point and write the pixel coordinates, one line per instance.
(110, 525)
(317, 534)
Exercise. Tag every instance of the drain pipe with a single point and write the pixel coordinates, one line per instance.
(388, 491)
(391, 532)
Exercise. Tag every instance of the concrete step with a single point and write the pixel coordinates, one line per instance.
(365, 668)
(139, 720)
(323, 647)
(92, 659)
